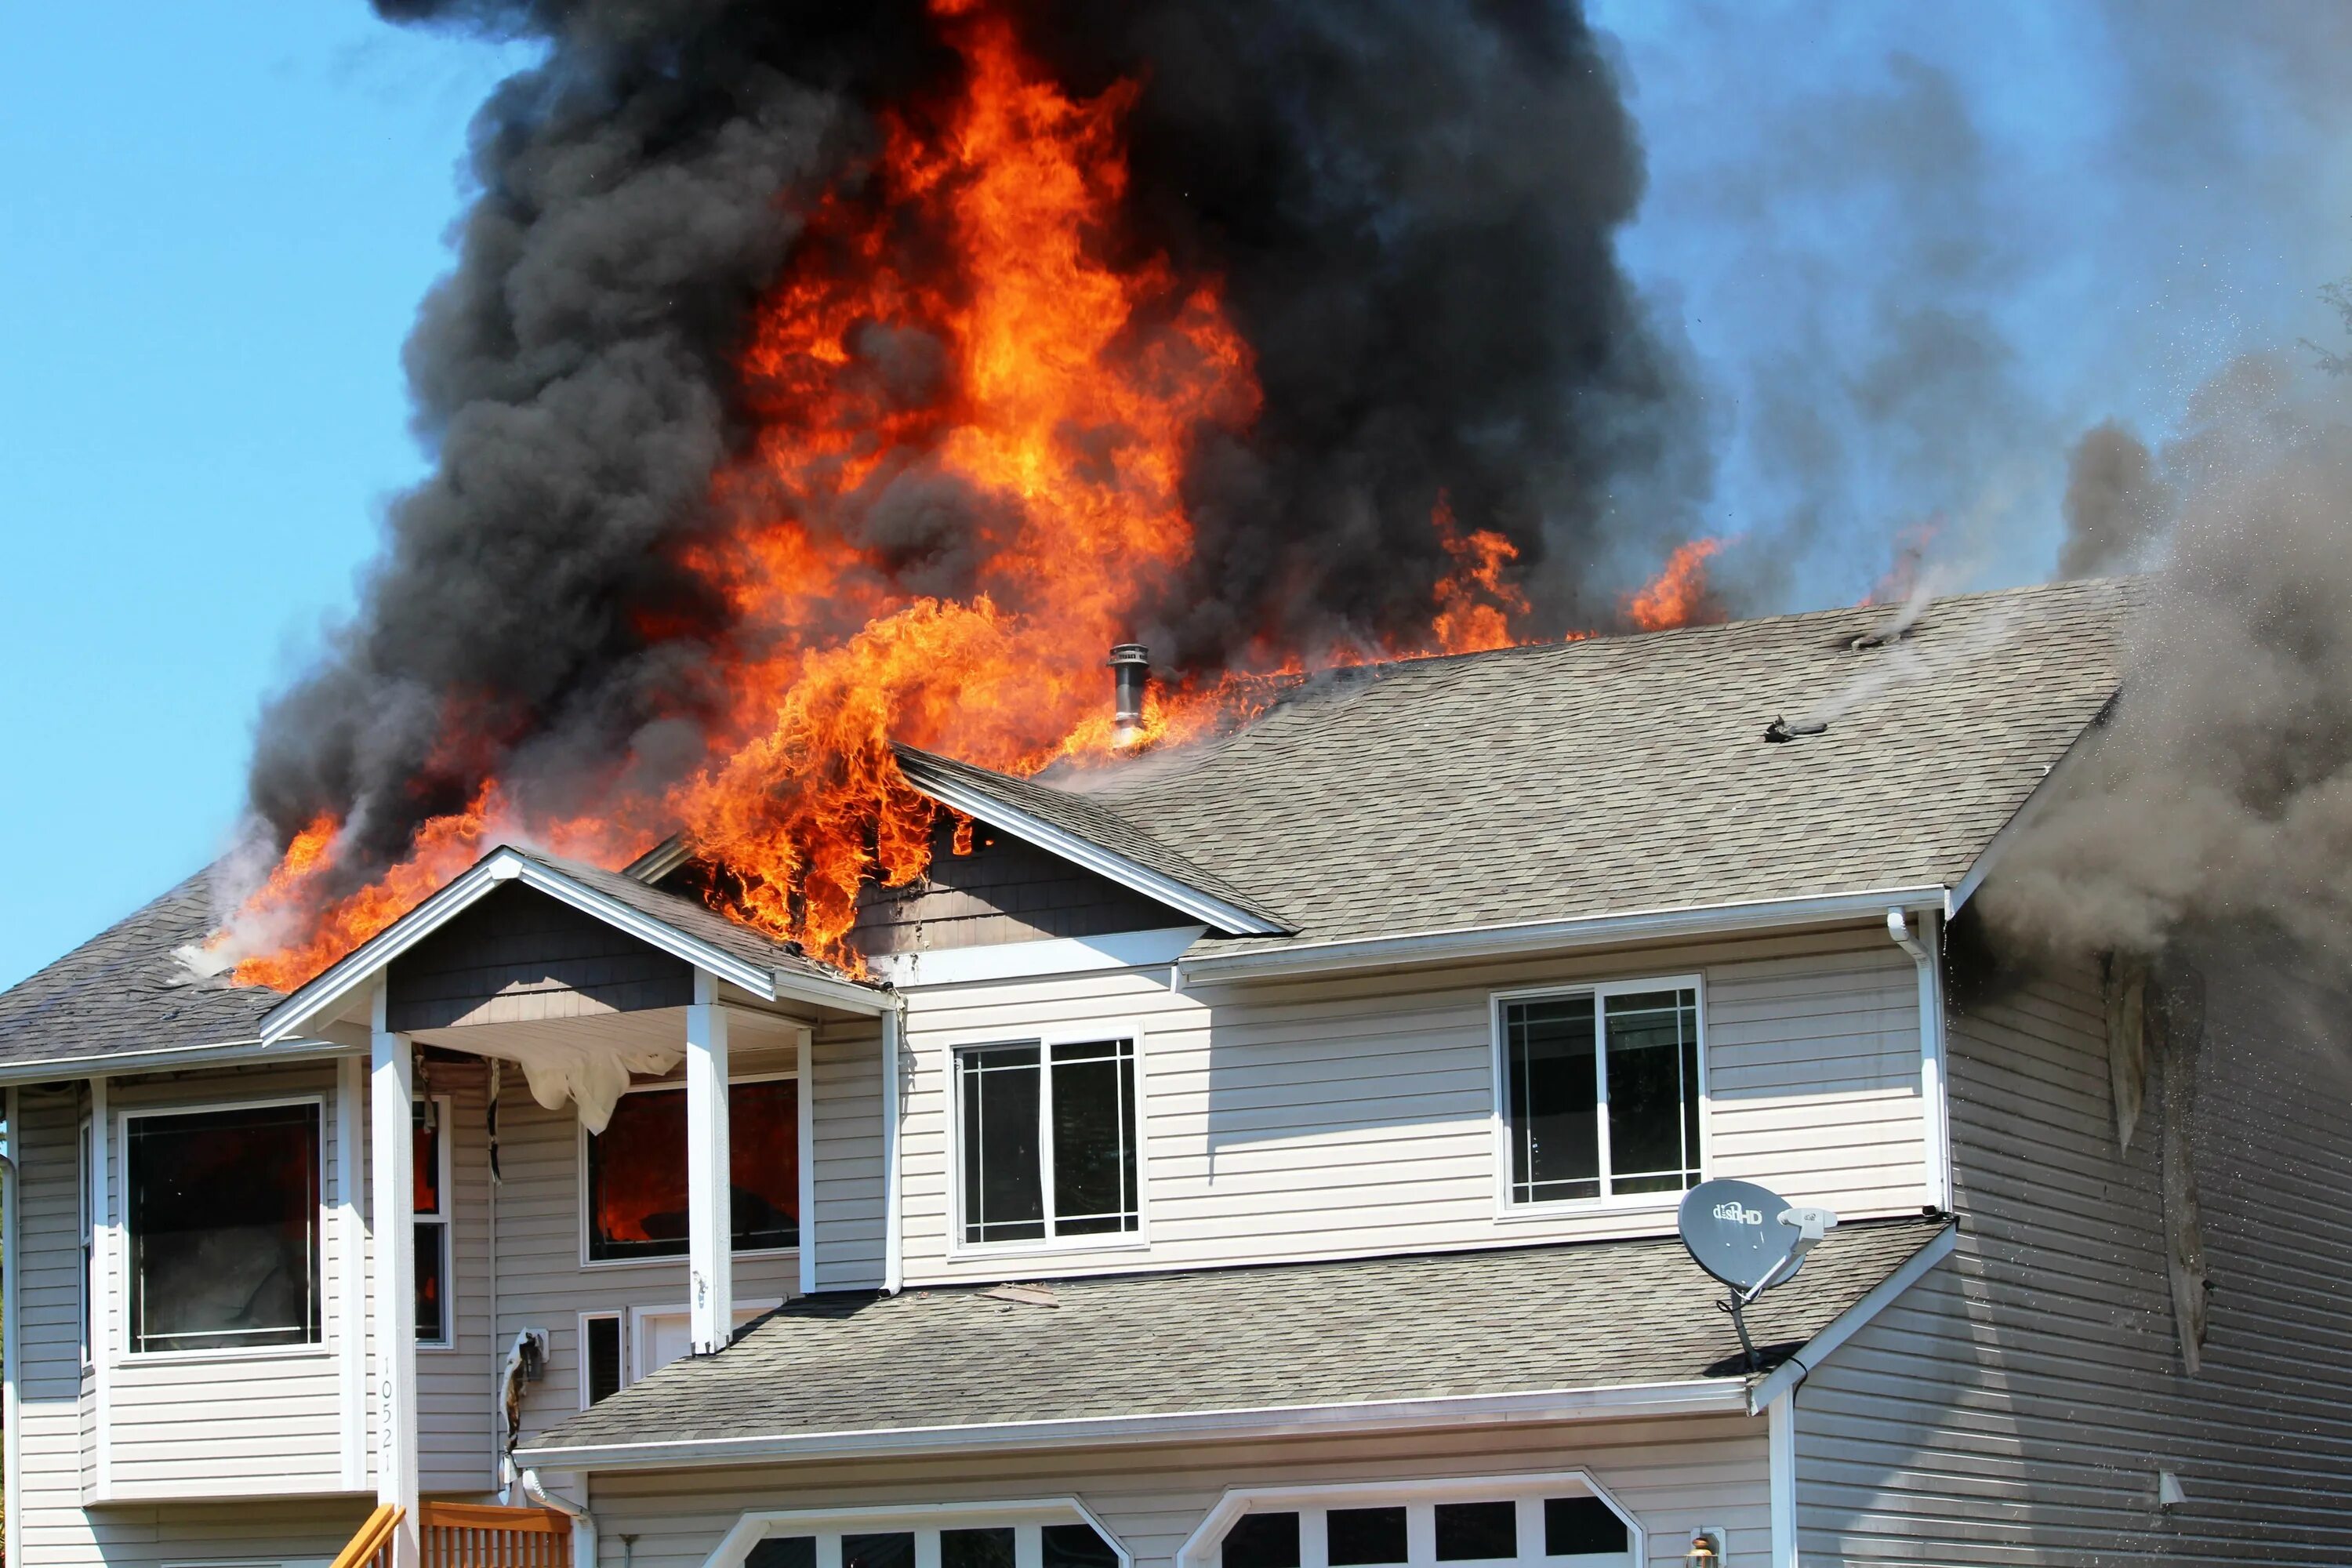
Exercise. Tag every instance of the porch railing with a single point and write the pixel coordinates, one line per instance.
(466, 1535)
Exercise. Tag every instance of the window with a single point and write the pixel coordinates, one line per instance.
(636, 1172)
(1562, 1520)
(599, 1357)
(1048, 1134)
(89, 1227)
(223, 1212)
(429, 1174)
(1055, 1534)
(1602, 1092)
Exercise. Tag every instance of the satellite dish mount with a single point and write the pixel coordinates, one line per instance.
(1746, 1237)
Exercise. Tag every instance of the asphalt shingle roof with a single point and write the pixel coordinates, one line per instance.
(123, 991)
(1624, 774)
(1524, 1320)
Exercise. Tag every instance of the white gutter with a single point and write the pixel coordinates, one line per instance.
(583, 1524)
(1204, 906)
(1785, 1377)
(1540, 936)
(893, 1244)
(1694, 1396)
(1935, 1112)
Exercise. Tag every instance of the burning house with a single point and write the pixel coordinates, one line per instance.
(732, 1039)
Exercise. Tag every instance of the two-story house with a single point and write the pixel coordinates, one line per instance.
(1263, 1154)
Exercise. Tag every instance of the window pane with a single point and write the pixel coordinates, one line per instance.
(783, 1552)
(1076, 1546)
(425, 1156)
(223, 1210)
(1003, 1195)
(1554, 1098)
(1653, 1091)
(1470, 1531)
(895, 1549)
(432, 1291)
(975, 1549)
(1364, 1535)
(603, 1359)
(1581, 1524)
(1094, 1137)
(636, 1172)
(1262, 1541)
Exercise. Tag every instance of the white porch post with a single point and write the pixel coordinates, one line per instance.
(391, 1088)
(709, 1208)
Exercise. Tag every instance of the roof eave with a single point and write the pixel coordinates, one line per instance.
(1544, 936)
(1714, 1395)
(2029, 810)
(1221, 914)
(166, 1058)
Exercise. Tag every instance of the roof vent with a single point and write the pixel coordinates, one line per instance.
(1781, 731)
(1131, 668)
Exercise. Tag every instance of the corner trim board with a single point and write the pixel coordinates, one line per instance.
(1785, 1377)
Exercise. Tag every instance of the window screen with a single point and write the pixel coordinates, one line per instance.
(1049, 1140)
(223, 1212)
(1601, 1094)
(636, 1172)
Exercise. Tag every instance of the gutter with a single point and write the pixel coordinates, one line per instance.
(583, 1524)
(1540, 936)
(1785, 1378)
(1714, 1395)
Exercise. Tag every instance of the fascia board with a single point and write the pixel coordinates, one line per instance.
(2028, 811)
(1693, 1396)
(1086, 852)
(1539, 936)
(1813, 1351)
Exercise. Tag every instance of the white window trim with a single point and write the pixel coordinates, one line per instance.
(1418, 1497)
(1509, 1209)
(444, 1140)
(679, 1262)
(924, 1519)
(318, 1349)
(633, 1333)
(579, 1348)
(1136, 1240)
(87, 1196)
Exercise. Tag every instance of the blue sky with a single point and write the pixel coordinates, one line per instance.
(1911, 250)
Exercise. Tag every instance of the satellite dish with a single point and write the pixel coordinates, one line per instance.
(1746, 1237)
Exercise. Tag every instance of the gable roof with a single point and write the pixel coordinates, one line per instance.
(1617, 776)
(1149, 1355)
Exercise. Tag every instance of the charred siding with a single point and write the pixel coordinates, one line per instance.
(518, 956)
(1001, 890)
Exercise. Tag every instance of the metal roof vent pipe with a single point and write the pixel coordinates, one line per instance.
(1130, 668)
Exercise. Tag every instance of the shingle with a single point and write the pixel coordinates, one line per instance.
(1522, 1320)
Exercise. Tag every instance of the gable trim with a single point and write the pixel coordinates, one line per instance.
(504, 864)
(1217, 914)
(1785, 1377)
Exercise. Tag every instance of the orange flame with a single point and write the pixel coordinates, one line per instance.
(950, 324)
(1678, 595)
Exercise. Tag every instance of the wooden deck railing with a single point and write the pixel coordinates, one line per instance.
(471, 1535)
(466, 1535)
(372, 1547)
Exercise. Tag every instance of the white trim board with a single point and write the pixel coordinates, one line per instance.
(1711, 1395)
(1785, 1377)
(502, 864)
(1153, 948)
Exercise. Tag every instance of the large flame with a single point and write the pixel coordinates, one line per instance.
(1062, 393)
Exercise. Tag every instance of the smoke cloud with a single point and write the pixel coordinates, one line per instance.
(1412, 206)
(2116, 506)
(2220, 793)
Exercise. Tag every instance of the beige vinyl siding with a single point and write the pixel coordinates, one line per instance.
(1674, 1475)
(846, 1130)
(453, 1391)
(1317, 1118)
(543, 1284)
(260, 1423)
(2017, 1405)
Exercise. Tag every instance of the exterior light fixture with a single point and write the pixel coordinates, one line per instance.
(1705, 1550)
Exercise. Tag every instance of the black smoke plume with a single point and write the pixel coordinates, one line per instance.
(1412, 206)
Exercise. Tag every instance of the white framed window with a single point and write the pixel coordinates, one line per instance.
(1047, 1142)
(90, 1202)
(604, 1361)
(1054, 1532)
(620, 1346)
(1600, 1093)
(223, 1211)
(1563, 1519)
(436, 1256)
(633, 1174)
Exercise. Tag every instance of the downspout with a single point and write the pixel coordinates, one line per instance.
(1934, 1116)
(583, 1524)
(894, 1249)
